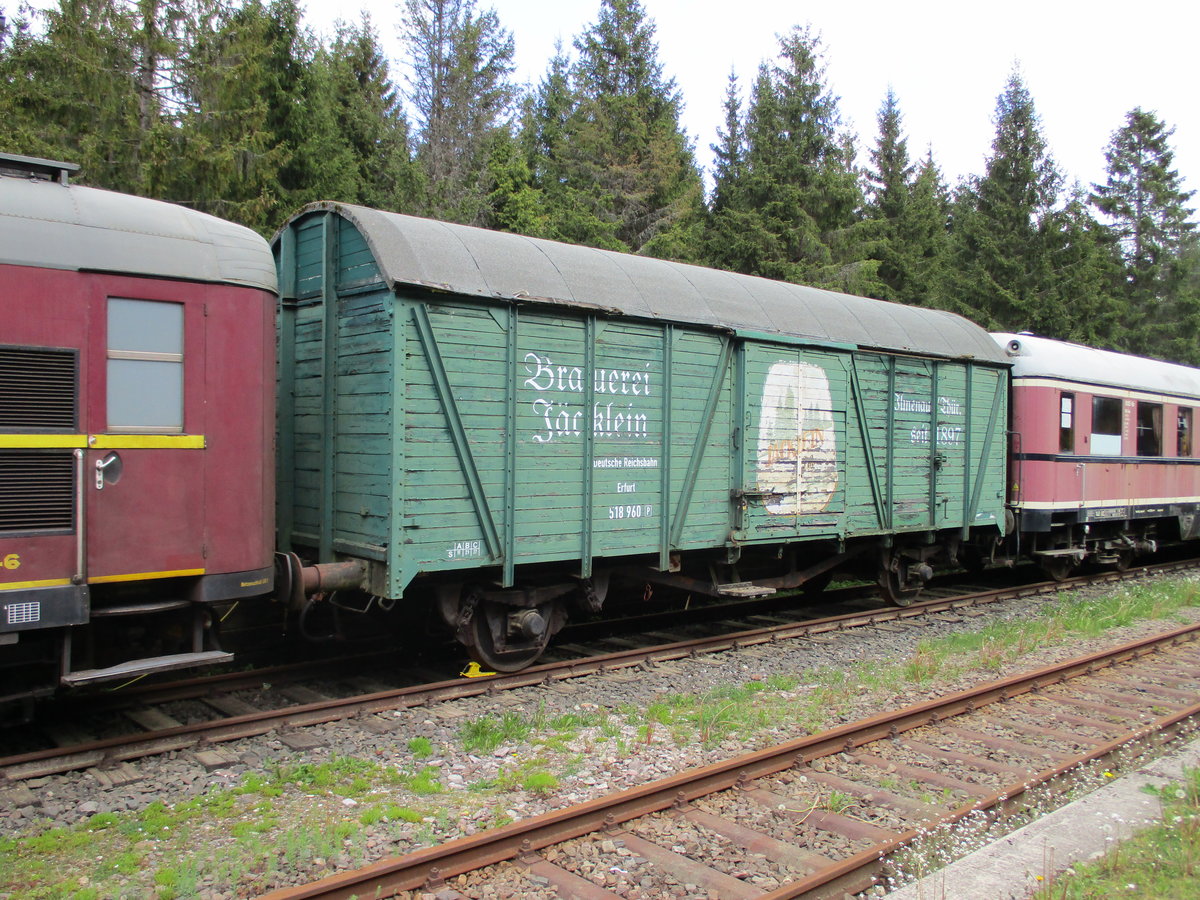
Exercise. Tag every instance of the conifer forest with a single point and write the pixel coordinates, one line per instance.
(237, 108)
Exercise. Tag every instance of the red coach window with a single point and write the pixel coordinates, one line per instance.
(145, 366)
(1149, 429)
(1184, 425)
(1066, 423)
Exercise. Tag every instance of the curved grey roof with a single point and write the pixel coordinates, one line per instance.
(57, 226)
(476, 262)
(1039, 357)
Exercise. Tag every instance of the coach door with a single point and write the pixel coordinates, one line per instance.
(144, 469)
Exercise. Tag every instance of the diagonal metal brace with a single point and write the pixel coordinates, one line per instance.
(458, 434)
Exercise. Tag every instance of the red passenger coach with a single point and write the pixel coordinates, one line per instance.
(1104, 460)
(136, 429)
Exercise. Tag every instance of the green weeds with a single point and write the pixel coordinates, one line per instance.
(420, 747)
(343, 771)
(425, 782)
(539, 782)
(993, 647)
(1162, 861)
(162, 844)
(299, 817)
(839, 802)
(485, 734)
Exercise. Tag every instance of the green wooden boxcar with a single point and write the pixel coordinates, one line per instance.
(501, 425)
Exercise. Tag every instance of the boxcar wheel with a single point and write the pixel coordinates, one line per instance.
(507, 639)
(900, 579)
(896, 592)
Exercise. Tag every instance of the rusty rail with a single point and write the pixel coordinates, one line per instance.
(113, 750)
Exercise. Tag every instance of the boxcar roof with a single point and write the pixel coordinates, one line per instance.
(1039, 357)
(53, 225)
(476, 262)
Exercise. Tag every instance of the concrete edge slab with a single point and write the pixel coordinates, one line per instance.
(1008, 869)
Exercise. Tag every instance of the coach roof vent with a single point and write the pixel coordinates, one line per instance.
(33, 167)
(1014, 347)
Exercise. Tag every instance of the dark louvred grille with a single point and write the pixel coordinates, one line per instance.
(37, 490)
(37, 389)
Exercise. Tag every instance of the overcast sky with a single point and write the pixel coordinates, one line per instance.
(1085, 63)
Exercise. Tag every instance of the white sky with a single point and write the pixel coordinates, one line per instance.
(1085, 63)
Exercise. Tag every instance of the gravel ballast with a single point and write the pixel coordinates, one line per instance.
(243, 830)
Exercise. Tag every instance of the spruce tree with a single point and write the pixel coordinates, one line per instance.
(1144, 200)
(625, 148)
(71, 92)
(922, 238)
(546, 113)
(572, 207)
(1181, 345)
(461, 63)
(889, 183)
(369, 116)
(998, 273)
(792, 208)
(247, 143)
(514, 202)
(890, 179)
(22, 131)
(736, 235)
(1082, 269)
(729, 155)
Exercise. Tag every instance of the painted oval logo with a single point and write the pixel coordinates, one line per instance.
(797, 440)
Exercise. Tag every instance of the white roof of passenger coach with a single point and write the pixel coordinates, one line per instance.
(52, 225)
(1039, 357)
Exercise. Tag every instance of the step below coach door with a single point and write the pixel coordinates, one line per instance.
(144, 469)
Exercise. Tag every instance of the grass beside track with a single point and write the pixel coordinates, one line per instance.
(298, 822)
(1159, 863)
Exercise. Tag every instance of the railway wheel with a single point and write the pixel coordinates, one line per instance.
(895, 591)
(900, 581)
(1059, 568)
(505, 638)
(1124, 560)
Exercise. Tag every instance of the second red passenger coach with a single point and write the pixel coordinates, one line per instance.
(1104, 461)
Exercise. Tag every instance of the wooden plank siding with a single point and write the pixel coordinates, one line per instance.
(448, 433)
(358, 477)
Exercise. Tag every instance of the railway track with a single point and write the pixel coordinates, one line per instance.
(823, 815)
(228, 717)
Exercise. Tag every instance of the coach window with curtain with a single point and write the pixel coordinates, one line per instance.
(1183, 422)
(1149, 429)
(145, 366)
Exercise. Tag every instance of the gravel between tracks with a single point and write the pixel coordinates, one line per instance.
(600, 764)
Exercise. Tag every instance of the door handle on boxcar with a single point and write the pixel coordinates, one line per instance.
(108, 469)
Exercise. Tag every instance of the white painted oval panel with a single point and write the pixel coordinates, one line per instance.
(797, 440)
